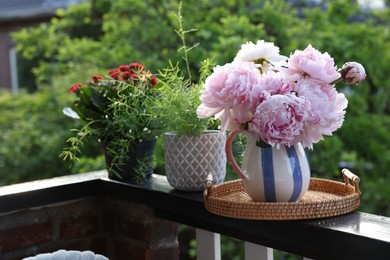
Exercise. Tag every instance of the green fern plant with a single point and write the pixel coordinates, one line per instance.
(180, 97)
(179, 100)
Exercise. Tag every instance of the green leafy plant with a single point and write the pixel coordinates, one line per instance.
(180, 96)
(116, 110)
(179, 100)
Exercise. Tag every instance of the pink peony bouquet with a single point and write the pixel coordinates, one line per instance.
(286, 100)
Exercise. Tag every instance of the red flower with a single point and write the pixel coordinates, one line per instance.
(153, 80)
(126, 75)
(114, 73)
(75, 88)
(124, 68)
(136, 67)
(96, 78)
(134, 77)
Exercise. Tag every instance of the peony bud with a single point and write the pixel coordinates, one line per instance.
(353, 73)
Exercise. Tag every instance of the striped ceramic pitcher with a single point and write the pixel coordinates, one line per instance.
(270, 174)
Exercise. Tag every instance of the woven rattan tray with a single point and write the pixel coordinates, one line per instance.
(325, 198)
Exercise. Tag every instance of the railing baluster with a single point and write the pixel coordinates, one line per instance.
(208, 245)
(258, 252)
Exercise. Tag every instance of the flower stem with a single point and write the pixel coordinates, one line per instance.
(181, 32)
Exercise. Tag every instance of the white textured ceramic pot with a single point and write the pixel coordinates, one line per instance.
(189, 159)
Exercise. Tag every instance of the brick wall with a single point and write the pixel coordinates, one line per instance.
(115, 228)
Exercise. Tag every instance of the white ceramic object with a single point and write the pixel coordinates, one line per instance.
(189, 159)
(270, 174)
(71, 254)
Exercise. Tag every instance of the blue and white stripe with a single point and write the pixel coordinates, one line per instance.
(281, 175)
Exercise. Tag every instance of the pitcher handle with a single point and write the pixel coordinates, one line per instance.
(229, 153)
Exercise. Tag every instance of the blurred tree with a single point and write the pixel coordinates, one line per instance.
(98, 35)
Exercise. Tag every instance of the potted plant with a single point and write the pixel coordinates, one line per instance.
(282, 104)
(193, 147)
(116, 110)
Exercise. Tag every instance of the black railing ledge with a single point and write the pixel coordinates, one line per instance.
(355, 235)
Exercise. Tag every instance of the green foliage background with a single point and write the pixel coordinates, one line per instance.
(95, 36)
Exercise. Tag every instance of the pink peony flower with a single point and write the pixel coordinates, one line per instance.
(353, 73)
(327, 110)
(297, 103)
(281, 119)
(229, 120)
(230, 87)
(262, 53)
(311, 63)
(271, 83)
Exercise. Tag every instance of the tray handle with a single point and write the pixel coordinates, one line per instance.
(347, 174)
(209, 184)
